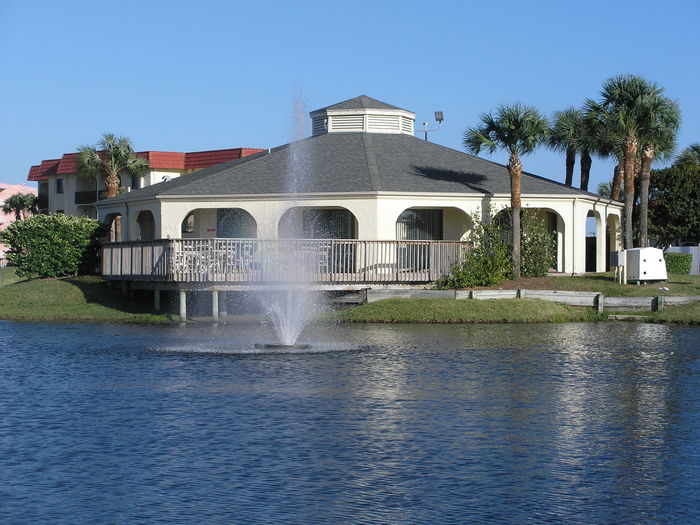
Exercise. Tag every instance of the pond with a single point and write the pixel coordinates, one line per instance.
(584, 423)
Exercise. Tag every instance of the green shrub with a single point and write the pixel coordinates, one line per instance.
(489, 260)
(52, 245)
(487, 263)
(537, 246)
(678, 263)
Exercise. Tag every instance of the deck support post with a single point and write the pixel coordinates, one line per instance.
(223, 310)
(215, 306)
(183, 306)
(156, 300)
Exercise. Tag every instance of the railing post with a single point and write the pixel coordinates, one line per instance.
(364, 265)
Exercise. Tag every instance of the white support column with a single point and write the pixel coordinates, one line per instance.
(570, 230)
(183, 306)
(580, 213)
(223, 311)
(600, 244)
(215, 306)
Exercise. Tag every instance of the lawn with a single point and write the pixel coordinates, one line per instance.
(8, 275)
(605, 283)
(466, 311)
(73, 299)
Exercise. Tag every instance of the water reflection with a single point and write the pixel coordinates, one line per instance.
(405, 424)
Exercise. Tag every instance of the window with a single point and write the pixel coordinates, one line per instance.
(59, 185)
(135, 182)
(188, 223)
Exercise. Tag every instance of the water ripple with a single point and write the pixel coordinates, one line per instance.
(395, 424)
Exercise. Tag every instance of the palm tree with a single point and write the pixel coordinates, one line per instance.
(623, 99)
(518, 129)
(564, 134)
(21, 204)
(111, 156)
(690, 155)
(660, 123)
(606, 143)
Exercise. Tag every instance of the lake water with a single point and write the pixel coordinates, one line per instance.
(583, 423)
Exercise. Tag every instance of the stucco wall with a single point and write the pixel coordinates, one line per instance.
(377, 214)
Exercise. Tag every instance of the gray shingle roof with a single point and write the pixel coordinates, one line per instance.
(353, 162)
(361, 102)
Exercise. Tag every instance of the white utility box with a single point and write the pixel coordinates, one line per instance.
(645, 264)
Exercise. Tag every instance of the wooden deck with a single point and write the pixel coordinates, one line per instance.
(280, 261)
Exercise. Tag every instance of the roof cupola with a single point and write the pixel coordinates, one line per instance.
(362, 114)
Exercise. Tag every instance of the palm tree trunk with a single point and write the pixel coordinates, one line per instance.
(112, 184)
(618, 176)
(515, 169)
(570, 163)
(645, 175)
(631, 147)
(585, 169)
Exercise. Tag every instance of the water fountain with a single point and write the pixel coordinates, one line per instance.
(290, 309)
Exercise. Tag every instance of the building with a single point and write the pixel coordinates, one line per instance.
(7, 191)
(360, 175)
(61, 190)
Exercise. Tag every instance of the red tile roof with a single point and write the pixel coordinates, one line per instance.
(34, 173)
(164, 160)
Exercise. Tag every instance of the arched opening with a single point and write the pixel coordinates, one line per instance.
(113, 224)
(432, 224)
(326, 228)
(536, 220)
(145, 226)
(230, 223)
(235, 223)
(317, 223)
(427, 224)
(595, 243)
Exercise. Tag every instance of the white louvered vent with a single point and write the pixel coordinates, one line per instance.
(318, 126)
(347, 123)
(407, 125)
(384, 123)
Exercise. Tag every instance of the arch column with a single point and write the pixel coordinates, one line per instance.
(600, 244)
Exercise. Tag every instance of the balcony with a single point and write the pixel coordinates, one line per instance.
(83, 198)
(250, 261)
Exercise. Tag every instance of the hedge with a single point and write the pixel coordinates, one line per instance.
(678, 263)
(52, 245)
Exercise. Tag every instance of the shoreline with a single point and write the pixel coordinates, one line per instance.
(90, 300)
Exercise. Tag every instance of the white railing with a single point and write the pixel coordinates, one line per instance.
(285, 260)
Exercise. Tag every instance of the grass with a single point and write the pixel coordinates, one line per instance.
(466, 311)
(73, 299)
(8, 275)
(89, 299)
(683, 314)
(605, 283)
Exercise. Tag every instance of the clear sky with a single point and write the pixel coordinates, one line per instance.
(196, 75)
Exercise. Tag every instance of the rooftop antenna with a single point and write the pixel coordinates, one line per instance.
(438, 118)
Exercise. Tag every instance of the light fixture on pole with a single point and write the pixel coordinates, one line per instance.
(438, 118)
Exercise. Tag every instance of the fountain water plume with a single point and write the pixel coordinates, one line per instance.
(288, 311)
(291, 309)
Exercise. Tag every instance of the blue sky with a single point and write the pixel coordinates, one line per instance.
(187, 76)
